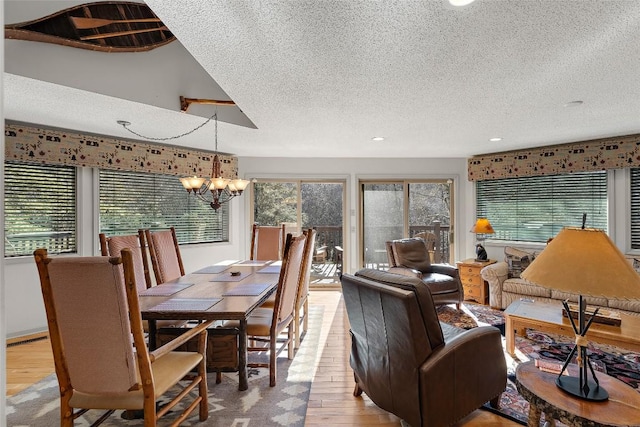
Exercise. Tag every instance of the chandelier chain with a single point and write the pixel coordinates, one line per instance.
(214, 116)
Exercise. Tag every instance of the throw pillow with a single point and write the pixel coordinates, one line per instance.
(517, 260)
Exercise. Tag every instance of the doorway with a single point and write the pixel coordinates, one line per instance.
(395, 209)
(303, 204)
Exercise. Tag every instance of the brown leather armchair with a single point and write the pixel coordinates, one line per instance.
(410, 257)
(426, 372)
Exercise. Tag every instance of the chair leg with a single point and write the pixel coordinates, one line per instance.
(306, 316)
(272, 360)
(291, 343)
(357, 391)
(66, 412)
(218, 377)
(495, 402)
(296, 328)
(202, 388)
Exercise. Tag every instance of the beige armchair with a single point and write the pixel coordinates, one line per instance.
(426, 372)
(410, 257)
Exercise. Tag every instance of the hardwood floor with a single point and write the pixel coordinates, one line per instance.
(331, 401)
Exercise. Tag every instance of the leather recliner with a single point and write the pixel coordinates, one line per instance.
(411, 257)
(428, 373)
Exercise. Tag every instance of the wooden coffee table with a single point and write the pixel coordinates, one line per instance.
(540, 390)
(547, 317)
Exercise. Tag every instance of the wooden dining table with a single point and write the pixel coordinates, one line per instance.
(225, 291)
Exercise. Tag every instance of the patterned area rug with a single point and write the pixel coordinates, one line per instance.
(619, 363)
(470, 316)
(260, 405)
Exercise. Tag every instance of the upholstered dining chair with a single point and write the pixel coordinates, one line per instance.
(113, 245)
(267, 242)
(411, 257)
(301, 321)
(301, 317)
(430, 241)
(267, 324)
(165, 254)
(100, 354)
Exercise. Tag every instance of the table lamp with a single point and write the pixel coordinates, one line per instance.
(583, 261)
(482, 226)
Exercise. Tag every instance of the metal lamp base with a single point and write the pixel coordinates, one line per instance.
(592, 392)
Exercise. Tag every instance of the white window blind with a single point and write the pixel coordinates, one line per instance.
(39, 208)
(635, 208)
(533, 209)
(131, 200)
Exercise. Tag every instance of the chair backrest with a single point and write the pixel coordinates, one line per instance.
(113, 245)
(307, 262)
(89, 324)
(289, 278)
(410, 253)
(165, 254)
(267, 242)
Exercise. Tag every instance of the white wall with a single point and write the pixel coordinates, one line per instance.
(24, 309)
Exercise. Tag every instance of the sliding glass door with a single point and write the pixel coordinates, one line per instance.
(304, 204)
(402, 208)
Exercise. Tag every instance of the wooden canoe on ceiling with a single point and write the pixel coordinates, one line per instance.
(110, 26)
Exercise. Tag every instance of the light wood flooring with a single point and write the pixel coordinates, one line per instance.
(331, 401)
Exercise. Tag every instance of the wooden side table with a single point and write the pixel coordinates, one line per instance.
(540, 390)
(475, 287)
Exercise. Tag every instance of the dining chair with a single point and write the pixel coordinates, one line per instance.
(301, 313)
(301, 318)
(430, 242)
(267, 324)
(165, 254)
(113, 245)
(100, 354)
(267, 242)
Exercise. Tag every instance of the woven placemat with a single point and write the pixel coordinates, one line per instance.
(248, 289)
(186, 304)
(212, 269)
(165, 290)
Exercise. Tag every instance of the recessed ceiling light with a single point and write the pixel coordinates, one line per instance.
(496, 139)
(573, 104)
(460, 3)
(378, 138)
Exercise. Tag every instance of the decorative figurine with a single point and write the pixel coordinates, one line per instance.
(481, 253)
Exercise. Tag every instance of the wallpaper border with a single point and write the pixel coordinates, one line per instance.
(592, 155)
(46, 145)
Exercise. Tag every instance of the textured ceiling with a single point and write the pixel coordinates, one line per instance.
(321, 78)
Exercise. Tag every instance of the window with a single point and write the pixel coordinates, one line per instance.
(635, 208)
(131, 200)
(40, 208)
(394, 210)
(533, 209)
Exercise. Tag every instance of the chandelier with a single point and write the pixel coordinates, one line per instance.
(215, 190)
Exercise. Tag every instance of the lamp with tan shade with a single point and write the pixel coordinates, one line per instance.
(583, 261)
(481, 227)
